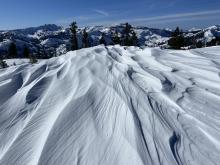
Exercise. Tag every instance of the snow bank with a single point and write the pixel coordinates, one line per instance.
(113, 106)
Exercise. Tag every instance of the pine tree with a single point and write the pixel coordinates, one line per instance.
(177, 39)
(134, 38)
(122, 39)
(102, 39)
(3, 63)
(194, 42)
(39, 52)
(33, 59)
(73, 40)
(127, 41)
(85, 39)
(26, 52)
(127, 35)
(115, 38)
(218, 42)
(127, 29)
(1, 38)
(12, 50)
(177, 32)
(199, 44)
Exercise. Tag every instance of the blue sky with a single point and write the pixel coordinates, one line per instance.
(153, 13)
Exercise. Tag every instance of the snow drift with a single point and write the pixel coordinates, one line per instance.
(113, 106)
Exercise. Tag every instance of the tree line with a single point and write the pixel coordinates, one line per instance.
(13, 53)
(128, 37)
(125, 37)
(179, 41)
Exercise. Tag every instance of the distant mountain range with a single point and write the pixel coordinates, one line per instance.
(51, 40)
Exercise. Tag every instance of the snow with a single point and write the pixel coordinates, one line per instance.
(49, 38)
(194, 29)
(52, 37)
(14, 62)
(112, 106)
(209, 36)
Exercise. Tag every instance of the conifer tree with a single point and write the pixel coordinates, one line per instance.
(115, 38)
(127, 35)
(199, 44)
(127, 29)
(33, 59)
(39, 52)
(1, 38)
(177, 39)
(3, 63)
(26, 52)
(12, 50)
(122, 39)
(177, 32)
(73, 39)
(134, 38)
(85, 39)
(102, 39)
(218, 41)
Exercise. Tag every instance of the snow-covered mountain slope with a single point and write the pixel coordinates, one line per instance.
(206, 36)
(113, 106)
(51, 40)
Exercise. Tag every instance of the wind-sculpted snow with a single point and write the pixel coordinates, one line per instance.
(113, 106)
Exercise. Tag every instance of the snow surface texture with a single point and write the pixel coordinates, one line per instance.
(113, 106)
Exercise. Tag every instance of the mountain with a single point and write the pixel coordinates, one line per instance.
(51, 40)
(209, 36)
(112, 106)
